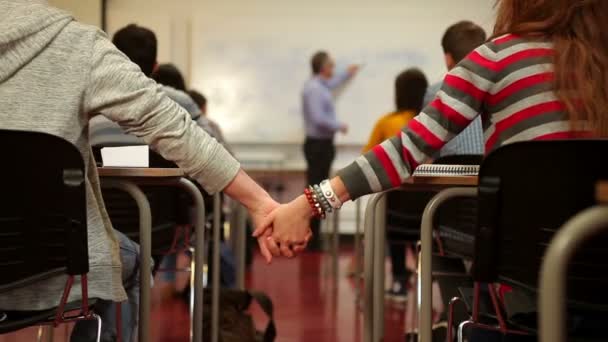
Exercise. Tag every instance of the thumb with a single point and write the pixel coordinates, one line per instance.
(264, 225)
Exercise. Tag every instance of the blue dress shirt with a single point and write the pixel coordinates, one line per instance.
(318, 106)
(469, 141)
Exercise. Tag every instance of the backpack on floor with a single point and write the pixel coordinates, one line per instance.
(236, 325)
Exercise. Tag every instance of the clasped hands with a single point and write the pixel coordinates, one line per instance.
(282, 230)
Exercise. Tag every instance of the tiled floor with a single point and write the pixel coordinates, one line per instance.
(309, 305)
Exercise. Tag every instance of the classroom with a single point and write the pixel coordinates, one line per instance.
(277, 170)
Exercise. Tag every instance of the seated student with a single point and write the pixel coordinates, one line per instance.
(70, 72)
(173, 82)
(140, 45)
(543, 76)
(410, 87)
(457, 42)
(201, 101)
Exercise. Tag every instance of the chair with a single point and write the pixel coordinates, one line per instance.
(563, 247)
(404, 209)
(457, 218)
(460, 159)
(43, 224)
(527, 191)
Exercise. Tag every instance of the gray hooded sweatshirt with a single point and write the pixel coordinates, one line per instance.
(55, 74)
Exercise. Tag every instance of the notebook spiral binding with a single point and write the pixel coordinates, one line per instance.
(446, 170)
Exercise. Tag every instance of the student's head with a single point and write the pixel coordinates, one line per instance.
(199, 99)
(577, 29)
(139, 44)
(410, 87)
(322, 65)
(169, 75)
(459, 40)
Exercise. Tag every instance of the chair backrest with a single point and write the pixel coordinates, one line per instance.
(527, 191)
(43, 215)
(460, 159)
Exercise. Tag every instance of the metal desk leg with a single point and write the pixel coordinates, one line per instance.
(240, 244)
(358, 248)
(215, 287)
(425, 279)
(368, 269)
(199, 258)
(336, 244)
(145, 249)
(564, 245)
(379, 263)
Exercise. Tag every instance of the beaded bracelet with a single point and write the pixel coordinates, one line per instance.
(330, 195)
(321, 199)
(317, 210)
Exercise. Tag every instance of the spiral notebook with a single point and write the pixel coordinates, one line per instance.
(436, 170)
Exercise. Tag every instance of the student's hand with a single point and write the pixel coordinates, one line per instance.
(344, 129)
(264, 241)
(353, 69)
(290, 230)
(262, 222)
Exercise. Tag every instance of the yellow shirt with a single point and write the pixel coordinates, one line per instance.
(387, 127)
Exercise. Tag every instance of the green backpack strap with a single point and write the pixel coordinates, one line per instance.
(265, 303)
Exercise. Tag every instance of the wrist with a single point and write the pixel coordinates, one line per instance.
(340, 189)
(302, 204)
(260, 201)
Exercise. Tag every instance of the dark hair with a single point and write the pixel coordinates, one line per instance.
(462, 38)
(169, 75)
(317, 61)
(410, 88)
(139, 44)
(198, 98)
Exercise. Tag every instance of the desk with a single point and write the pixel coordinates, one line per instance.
(128, 180)
(374, 256)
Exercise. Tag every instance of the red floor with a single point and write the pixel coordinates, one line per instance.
(309, 305)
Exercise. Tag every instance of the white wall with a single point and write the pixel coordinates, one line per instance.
(170, 20)
(251, 57)
(86, 11)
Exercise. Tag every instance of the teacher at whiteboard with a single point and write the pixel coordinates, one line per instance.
(321, 121)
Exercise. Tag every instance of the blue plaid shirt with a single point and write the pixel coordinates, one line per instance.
(469, 141)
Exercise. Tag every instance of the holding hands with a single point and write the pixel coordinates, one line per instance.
(285, 230)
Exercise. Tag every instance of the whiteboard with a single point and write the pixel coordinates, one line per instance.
(251, 57)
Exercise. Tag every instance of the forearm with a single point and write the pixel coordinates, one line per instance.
(247, 192)
(340, 79)
(339, 189)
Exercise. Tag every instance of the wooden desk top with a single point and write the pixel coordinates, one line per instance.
(601, 192)
(444, 181)
(139, 172)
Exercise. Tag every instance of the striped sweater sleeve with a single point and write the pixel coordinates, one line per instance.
(459, 101)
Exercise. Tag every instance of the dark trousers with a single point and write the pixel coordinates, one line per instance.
(397, 253)
(319, 155)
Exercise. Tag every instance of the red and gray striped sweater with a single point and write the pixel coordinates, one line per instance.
(508, 81)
